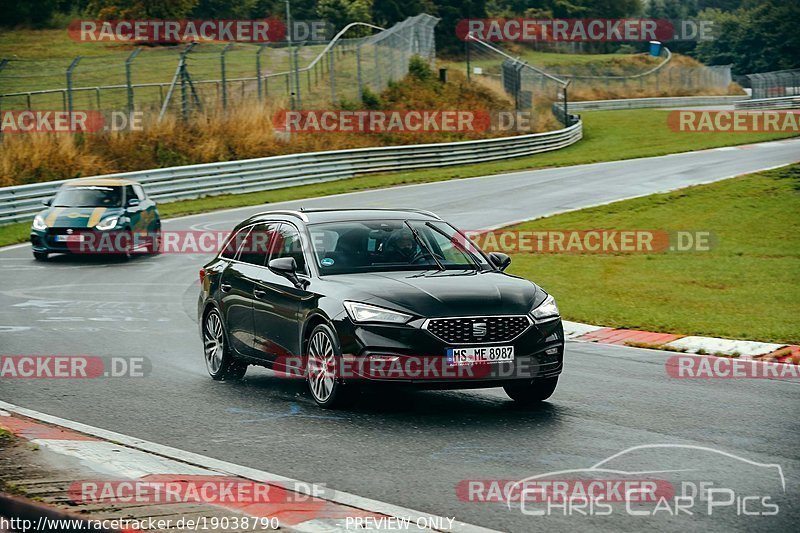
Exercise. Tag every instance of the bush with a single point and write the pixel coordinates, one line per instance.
(420, 69)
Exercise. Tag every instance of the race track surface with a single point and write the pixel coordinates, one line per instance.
(410, 449)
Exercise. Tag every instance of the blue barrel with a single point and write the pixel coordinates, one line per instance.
(655, 48)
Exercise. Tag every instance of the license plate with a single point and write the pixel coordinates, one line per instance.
(69, 238)
(478, 355)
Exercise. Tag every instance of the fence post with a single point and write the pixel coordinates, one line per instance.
(331, 70)
(466, 46)
(259, 81)
(358, 73)
(224, 78)
(69, 83)
(128, 82)
(184, 79)
(377, 70)
(297, 78)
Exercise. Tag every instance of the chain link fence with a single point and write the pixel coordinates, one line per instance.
(774, 84)
(531, 88)
(184, 79)
(626, 77)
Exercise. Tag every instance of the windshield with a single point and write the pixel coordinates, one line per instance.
(89, 196)
(392, 245)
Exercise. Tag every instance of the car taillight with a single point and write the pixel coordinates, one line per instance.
(202, 275)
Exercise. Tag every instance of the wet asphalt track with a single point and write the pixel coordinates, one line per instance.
(409, 449)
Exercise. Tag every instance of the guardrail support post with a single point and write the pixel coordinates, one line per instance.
(69, 82)
(128, 82)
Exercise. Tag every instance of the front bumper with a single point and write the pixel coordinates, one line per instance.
(411, 355)
(96, 241)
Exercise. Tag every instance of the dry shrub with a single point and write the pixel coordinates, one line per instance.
(244, 131)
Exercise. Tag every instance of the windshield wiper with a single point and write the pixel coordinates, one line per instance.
(424, 246)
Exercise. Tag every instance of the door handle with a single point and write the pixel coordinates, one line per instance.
(225, 287)
(258, 293)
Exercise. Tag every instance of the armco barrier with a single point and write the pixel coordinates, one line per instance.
(785, 102)
(21, 202)
(638, 103)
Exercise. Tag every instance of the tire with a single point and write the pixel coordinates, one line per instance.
(532, 392)
(154, 246)
(220, 363)
(40, 256)
(322, 363)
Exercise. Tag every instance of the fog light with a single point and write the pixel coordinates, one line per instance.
(551, 351)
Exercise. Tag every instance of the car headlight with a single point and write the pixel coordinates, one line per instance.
(39, 223)
(108, 223)
(546, 309)
(370, 313)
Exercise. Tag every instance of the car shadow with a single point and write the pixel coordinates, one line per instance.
(433, 406)
(91, 259)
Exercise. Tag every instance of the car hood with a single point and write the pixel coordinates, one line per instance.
(77, 217)
(448, 293)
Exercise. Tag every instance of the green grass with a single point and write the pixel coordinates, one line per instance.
(746, 287)
(608, 136)
(610, 64)
(5, 436)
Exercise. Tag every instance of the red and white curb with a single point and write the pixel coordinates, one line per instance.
(693, 344)
(321, 509)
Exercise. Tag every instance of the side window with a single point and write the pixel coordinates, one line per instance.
(139, 192)
(289, 244)
(256, 246)
(234, 242)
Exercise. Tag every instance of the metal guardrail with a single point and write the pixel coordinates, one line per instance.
(786, 102)
(21, 202)
(637, 103)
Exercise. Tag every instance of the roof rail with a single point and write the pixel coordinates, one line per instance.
(302, 216)
(409, 209)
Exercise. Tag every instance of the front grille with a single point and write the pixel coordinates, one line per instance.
(466, 330)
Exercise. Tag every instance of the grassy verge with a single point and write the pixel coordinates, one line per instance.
(747, 286)
(608, 136)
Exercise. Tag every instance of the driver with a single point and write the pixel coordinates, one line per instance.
(401, 247)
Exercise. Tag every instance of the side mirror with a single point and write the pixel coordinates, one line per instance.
(47, 201)
(287, 267)
(133, 202)
(500, 260)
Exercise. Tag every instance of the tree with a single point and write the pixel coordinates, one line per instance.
(753, 39)
(340, 13)
(140, 9)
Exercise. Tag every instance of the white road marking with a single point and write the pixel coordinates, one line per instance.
(113, 459)
(712, 345)
(189, 458)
